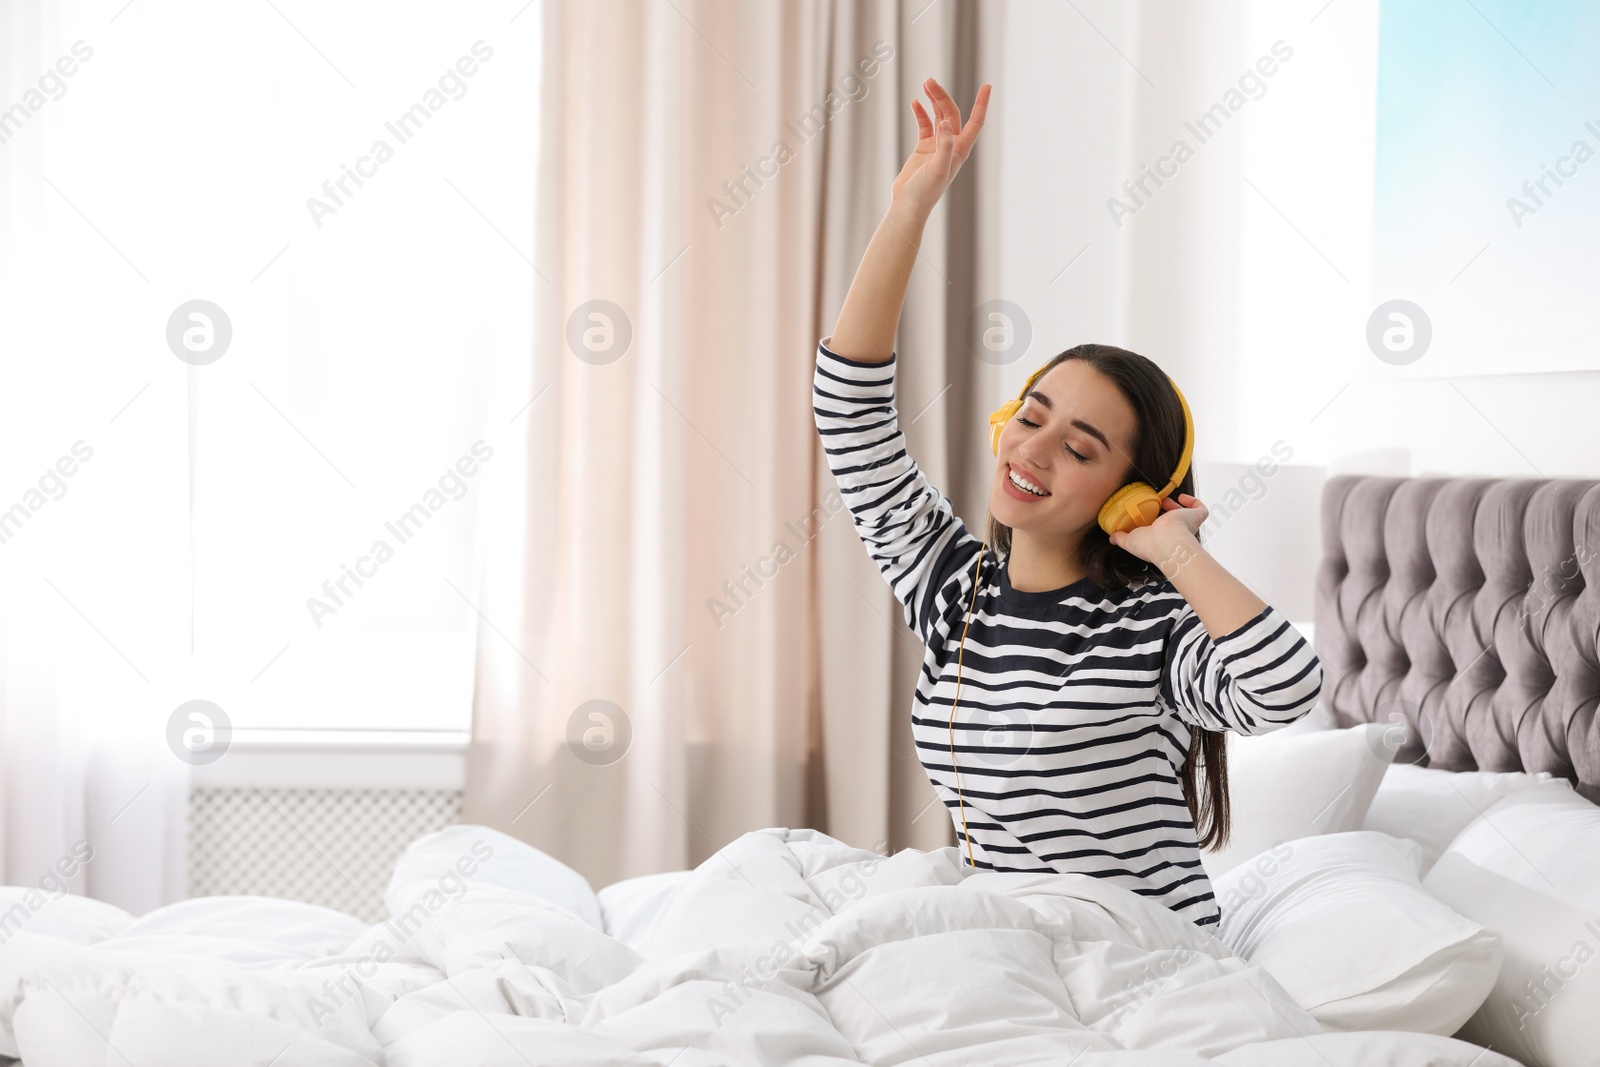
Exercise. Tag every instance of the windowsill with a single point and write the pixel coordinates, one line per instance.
(355, 740)
(339, 759)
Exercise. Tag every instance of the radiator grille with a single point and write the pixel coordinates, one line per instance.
(334, 847)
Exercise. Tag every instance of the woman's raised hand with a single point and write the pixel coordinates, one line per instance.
(866, 326)
(940, 150)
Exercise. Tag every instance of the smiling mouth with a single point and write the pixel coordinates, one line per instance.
(1023, 485)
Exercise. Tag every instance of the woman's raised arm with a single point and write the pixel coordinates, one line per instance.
(867, 322)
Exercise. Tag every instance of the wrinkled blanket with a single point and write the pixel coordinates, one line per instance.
(786, 947)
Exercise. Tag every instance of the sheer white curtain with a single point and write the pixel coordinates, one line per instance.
(93, 565)
(158, 154)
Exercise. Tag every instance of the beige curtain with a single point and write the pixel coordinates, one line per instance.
(682, 638)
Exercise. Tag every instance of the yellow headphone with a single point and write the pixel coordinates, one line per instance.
(1135, 504)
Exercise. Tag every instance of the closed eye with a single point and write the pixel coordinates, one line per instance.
(1070, 451)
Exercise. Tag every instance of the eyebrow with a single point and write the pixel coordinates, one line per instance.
(1078, 423)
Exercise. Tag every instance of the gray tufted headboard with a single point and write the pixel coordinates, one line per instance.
(1469, 608)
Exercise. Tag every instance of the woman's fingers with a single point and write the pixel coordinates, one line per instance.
(980, 108)
(924, 126)
(943, 150)
(943, 107)
(942, 103)
(946, 108)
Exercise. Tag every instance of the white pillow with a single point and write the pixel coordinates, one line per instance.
(1431, 806)
(1529, 867)
(1285, 787)
(1344, 925)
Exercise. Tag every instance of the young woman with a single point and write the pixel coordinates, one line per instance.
(1108, 665)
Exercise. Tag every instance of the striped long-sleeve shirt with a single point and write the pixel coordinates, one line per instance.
(1073, 724)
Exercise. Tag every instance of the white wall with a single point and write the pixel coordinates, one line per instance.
(1247, 275)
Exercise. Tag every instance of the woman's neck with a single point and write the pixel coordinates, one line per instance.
(1038, 566)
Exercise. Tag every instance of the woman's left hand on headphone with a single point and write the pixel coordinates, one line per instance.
(1173, 533)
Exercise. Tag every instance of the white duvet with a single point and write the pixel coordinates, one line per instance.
(787, 947)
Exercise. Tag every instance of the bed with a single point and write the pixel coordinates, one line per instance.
(1414, 867)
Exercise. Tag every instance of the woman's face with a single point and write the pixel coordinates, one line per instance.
(1072, 409)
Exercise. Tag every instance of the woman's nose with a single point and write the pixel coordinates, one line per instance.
(1034, 451)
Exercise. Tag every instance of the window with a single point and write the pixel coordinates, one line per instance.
(286, 529)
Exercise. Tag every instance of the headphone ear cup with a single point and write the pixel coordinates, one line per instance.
(997, 422)
(1135, 504)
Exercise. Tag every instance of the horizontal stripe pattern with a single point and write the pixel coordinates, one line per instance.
(1073, 722)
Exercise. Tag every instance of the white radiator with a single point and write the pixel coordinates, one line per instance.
(334, 847)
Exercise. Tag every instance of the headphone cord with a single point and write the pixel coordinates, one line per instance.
(961, 803)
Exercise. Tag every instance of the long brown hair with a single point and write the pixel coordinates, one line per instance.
(1157, 448)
